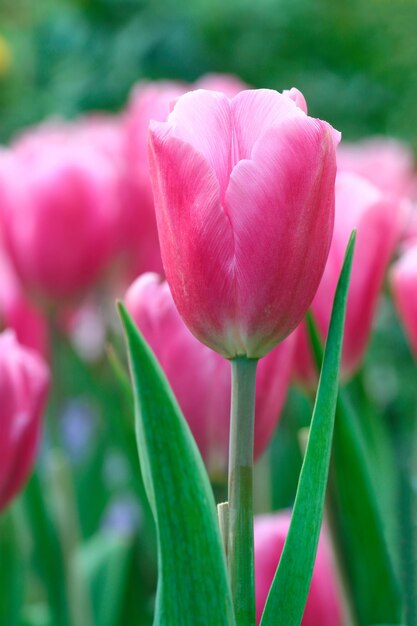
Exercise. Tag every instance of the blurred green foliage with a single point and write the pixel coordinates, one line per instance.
(356, 62)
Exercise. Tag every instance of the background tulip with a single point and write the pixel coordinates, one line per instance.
(386, 162)
(244, 212)
(379, 221)
(58, 206)
(200, 377)
(324, 605)
(23, 387)
(404, 289)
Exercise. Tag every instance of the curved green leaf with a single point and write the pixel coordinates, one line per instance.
(356, 519)
(289, 590)
(193, 588)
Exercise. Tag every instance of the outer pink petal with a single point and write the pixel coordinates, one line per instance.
(203, 119)
(195, 236)
(281, 207)
(298, 98)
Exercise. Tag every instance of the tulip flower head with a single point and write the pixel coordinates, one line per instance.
(23, 386)
(244, 198)
(200, 378)
(58, 205)
(324, 605)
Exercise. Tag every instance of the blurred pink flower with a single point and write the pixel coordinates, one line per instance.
(152, 101)
(244, 196)
(404, 289)
(24, 382)
(386, 162)
(379, 222)
(59, 195)
(324, 606)
(200, 378)
(18, 313)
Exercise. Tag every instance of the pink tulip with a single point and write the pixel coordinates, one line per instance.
(18, 314)
(404, 290)
(244, 196)
(379, 222)
(152, 101)
(324, 606)
(23, 387)
(58, 206)
(387, 163)
(200, 378)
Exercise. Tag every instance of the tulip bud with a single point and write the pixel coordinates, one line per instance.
(324, 606)
(244, 197)
(58, 205)
(378, 221)
(23, 386)
(200, 378)
(404, 289)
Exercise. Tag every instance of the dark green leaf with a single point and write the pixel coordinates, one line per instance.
(193, 588)
(289, 590)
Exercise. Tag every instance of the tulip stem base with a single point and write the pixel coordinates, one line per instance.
(240, 549)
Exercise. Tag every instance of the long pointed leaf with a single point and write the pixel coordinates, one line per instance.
(357, 521)
(289, 590)
(193, 588)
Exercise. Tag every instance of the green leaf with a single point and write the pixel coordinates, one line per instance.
(359, 526)
(356, 519)
(11, 572)
(104, 562)
(289, 590)
(48, 555)
(193, 588)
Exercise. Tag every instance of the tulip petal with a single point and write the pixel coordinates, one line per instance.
(280, 207)
(194, 232)
(203, 120)
(254, 113)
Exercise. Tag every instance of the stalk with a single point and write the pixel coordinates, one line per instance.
(240, 550)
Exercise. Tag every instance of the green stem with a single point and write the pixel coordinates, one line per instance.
(240, 541)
